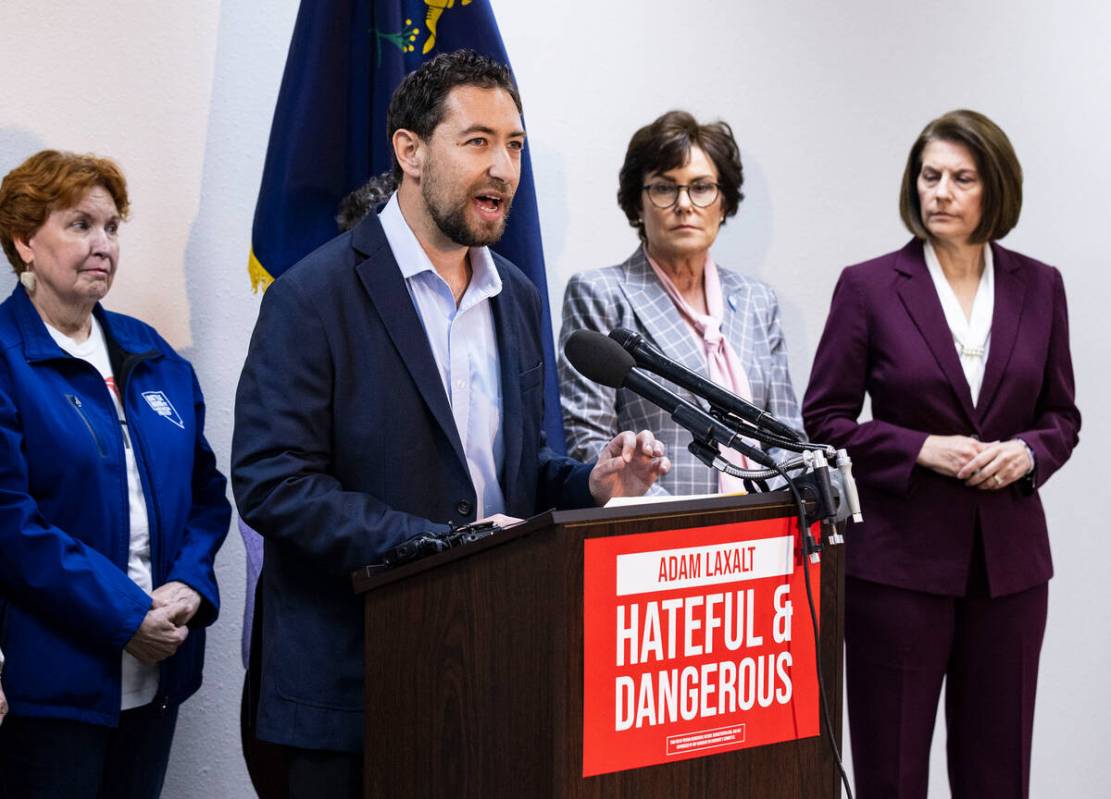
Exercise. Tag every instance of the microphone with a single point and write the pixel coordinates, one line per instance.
(650, 358)
(848, 484)
(601, 359)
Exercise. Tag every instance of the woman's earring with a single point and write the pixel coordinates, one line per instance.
(27, 278)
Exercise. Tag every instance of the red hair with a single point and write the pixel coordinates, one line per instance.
(48, 181)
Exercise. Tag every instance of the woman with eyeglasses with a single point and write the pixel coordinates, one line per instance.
(680, 181)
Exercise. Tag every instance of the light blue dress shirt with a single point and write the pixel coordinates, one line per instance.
(465, 348)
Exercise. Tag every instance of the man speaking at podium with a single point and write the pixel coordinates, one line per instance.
(393, 386)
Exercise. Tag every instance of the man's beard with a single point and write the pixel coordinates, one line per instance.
(450, 214)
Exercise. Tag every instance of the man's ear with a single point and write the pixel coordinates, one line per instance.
(409, 151)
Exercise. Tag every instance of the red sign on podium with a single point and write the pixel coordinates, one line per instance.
(696, 642)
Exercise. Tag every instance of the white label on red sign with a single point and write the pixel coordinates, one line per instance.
(692, 567)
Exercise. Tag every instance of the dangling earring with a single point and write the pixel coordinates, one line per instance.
(27, 278)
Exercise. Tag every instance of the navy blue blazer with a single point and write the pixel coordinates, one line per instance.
(345, 445)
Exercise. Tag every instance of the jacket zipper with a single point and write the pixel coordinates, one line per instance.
(75, 401)
(154, 521)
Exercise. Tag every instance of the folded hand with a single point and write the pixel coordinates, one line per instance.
(997, 465)
(947, 455)
(158, 636)
(182, 599)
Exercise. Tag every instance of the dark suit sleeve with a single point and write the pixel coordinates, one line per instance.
(1056, 428)
(884, 454)
(563, 482)
(282, 446)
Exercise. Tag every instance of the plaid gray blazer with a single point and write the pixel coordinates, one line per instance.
(630, 296)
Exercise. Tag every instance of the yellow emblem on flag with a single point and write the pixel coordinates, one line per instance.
(436, 9)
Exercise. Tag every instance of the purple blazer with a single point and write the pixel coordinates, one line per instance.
(886, 336)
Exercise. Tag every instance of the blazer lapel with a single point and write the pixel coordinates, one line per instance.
(509, 364)
(386, 288)
(1010, 295)
(736, 316)
(919, 297)
(657, 313)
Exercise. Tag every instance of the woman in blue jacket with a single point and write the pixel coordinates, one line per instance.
(111, 507)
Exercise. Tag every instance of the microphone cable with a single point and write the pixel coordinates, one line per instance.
(808, 549)
(772, 439)
(710, 457)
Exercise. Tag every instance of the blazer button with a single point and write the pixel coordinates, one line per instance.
(464, 507)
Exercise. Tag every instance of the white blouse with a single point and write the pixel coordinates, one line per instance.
(972, 336)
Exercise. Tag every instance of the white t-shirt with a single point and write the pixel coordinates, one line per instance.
(139, 682)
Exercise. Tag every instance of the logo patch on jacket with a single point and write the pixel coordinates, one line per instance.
(160, 404)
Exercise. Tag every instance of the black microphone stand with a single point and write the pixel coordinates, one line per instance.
(814, 485)
(816, 457)
(812, 480)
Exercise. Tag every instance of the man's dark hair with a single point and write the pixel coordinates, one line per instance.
(666, 144)
(355, 206)
(418, 102)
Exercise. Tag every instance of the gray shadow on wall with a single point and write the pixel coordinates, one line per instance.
(550, 180)
(16, 145)
(551, 199)
(745, 240)
(207, 755)
(744, 245)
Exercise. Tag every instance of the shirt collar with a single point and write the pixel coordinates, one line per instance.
(977, 327)
(987, 277)
(413, 260)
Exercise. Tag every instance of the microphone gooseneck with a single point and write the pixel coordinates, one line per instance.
(601, 359)
(648, 357)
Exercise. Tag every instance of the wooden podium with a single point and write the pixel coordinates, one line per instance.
(474, 669)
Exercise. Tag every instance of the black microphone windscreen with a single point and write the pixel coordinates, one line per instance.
(598, 357)
(624, 337)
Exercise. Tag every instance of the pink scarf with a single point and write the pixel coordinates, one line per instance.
(722, 363)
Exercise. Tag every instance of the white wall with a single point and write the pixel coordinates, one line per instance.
(825, 99)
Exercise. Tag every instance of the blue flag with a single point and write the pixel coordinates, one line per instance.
(328, 136)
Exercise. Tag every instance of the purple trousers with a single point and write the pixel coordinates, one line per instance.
(901, 646)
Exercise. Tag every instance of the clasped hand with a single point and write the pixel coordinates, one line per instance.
(164, 628)
(987, 466)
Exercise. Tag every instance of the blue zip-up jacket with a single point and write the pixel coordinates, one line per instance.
(67, 606)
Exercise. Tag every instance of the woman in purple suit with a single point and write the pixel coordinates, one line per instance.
(963, 348)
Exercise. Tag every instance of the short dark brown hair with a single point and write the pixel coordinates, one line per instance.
(666, 144)
(417, 103)
(1000, 173)
(48, 181)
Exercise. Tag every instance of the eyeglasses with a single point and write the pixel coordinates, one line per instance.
(664, 195)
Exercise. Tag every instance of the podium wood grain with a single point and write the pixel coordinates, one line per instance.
(474, 671)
